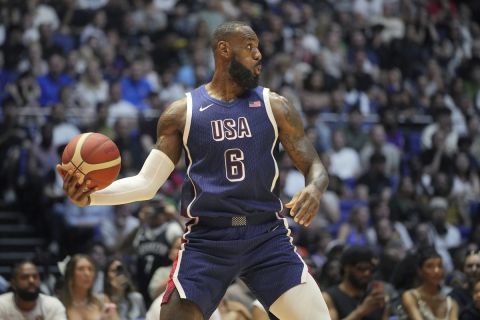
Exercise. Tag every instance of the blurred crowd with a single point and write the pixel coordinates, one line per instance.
(389, 91)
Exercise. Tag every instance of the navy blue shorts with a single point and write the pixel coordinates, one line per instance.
(211, 258)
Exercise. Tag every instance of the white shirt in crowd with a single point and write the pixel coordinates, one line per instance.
(47, 308)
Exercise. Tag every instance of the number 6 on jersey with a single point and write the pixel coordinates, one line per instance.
(234, 167)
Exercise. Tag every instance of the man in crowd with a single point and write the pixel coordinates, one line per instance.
(25, 301)
(357, 296)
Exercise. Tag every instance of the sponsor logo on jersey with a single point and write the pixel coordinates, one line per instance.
(205, 108)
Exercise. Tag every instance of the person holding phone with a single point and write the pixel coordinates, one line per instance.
(119, 289)
(357, 296)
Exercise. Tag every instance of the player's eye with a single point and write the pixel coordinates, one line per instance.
(249, 47)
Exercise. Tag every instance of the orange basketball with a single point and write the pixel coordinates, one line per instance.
(95, 157)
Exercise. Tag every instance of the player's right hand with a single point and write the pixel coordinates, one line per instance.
(78, 191)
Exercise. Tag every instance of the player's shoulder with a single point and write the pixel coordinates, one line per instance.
(281, 107)
(177, 106)
(173, 117)
(277, 99)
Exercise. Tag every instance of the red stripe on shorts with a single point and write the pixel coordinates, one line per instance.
(170, 283)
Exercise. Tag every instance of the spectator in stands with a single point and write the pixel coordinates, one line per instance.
(354, 232)
(51, 83)
(443, 122)
(426, 300)
(435, 158)
(344, 161)
(472, 311)
(466, 187)
(404, 204)
(25, 301)
(471, 270)
(135, 87)
(99, 254)
(330, 274)
(91, 87)
(355, 135)
(375, 177)
(115, 231)
(25, 91)
(389, 120)
(119, 289)
(119, 107)
(152, 240)
(127, 139)
(78, 297)
(384, 228)
(100, 123)
(355, 297)
(445, 236)
(378, 144)
(63, 130)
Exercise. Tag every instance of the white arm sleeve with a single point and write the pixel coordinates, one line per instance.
(143, 186)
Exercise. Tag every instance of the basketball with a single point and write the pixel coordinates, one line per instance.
(95, 156)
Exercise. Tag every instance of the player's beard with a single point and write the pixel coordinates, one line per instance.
(241, 75)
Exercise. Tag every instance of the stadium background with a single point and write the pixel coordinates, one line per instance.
(389, 91)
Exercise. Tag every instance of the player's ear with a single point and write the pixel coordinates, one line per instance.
(224, 48)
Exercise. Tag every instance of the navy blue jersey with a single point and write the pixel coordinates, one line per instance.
(230, 153)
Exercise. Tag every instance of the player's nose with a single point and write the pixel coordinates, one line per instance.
(257, 55)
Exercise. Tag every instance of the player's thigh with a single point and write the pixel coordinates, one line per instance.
(274, 266)
(177, 308)
(302, 302)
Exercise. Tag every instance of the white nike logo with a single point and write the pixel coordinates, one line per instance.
(205, 108)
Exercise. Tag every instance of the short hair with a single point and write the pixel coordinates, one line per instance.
(18, 266)
(356, 254)
(225, 30)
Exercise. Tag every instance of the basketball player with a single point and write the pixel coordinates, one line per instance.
(230, 129)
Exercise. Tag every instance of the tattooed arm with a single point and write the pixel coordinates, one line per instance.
(304, 204)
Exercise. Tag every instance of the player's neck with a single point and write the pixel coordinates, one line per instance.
(222, 87)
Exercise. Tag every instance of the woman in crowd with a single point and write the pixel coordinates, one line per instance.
(77, 295)
(426, 301)
(119, 289)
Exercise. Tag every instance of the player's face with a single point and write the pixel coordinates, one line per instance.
(27, 283)
(245, 65)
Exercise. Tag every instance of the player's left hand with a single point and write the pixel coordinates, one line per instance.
(304, 205)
